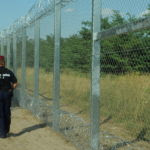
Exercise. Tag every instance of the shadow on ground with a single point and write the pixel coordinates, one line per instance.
(29, 129)
(140, 137)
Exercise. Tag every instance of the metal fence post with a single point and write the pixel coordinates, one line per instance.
(5, 46)
(23, 73)
(8, 51)
(15, 97)
(15, 54)
(2, 46)
(95, 85)
(36, 58)
(56, 78)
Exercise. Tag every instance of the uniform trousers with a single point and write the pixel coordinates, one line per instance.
(5, 112)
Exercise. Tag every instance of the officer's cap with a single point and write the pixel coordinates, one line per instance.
(2, 58)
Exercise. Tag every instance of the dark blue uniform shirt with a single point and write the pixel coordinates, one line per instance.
(7, 78)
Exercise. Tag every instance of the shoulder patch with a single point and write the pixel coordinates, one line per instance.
(6, 75)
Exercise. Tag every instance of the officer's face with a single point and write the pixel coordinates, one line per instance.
(2, 63)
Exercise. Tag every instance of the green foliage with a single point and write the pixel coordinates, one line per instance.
(30, 52)
(119, 54)
(46, 53)
(148, 14)
(117, 19)
(76, 53)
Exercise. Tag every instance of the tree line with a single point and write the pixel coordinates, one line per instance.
(119, 54)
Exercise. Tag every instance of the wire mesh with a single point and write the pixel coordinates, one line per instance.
(125, 80)
(1, 46)
(123, 11)
(125, 68)
(75, 72)
(46, 57)
(124, 86)
(11, 53)
(30, 59)
(5, 48)
(19, 55)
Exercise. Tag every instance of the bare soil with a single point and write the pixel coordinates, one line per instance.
(28, 133)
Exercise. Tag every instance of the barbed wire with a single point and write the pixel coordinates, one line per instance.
(40, 9)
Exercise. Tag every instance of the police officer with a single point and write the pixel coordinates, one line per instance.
(8, 82)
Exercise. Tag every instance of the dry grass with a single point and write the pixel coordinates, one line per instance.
(75, 90)
(125, 98)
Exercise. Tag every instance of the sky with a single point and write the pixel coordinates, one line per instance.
(72, 15)
(10, 10)
(75, 13)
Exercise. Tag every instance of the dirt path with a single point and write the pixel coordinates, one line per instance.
(28, 133)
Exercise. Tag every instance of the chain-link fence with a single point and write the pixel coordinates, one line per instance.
(125, 80)
(61, 49)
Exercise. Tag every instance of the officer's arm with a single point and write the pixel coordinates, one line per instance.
(14, 85)
(13, 81)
